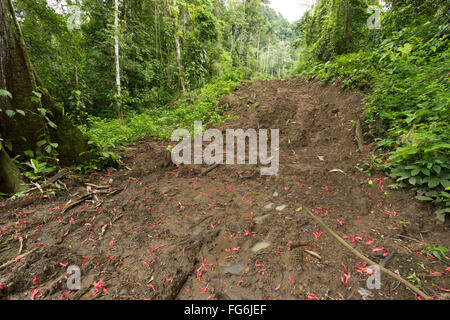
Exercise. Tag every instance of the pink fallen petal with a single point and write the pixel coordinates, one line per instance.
(370, 241)
(34, 294)
(205, 289)
(345, 279)
(312, 296)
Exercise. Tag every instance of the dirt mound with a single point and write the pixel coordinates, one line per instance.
(153, 232)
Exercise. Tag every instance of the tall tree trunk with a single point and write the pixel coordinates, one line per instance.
(178, 48)
(347, 26)
(257, 53)
(117, 57)
(18, 76)
(75, 73)
(156, 32)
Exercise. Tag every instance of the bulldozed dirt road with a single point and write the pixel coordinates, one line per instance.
(154, 232)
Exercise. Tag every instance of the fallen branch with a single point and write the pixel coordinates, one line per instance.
(50, 181)
(359, 136)
(360, 255)
(106, 226)
(20, 246)
(314, 254)
(5, 265)
(179, 282)
(204, 173)
(82, 199)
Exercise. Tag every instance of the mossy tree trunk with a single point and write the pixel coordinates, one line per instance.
(10, 178)
(18, 76)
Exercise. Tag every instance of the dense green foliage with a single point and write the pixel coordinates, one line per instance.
(404, 66)
(71, 45)
(77, 65)
(198, 105)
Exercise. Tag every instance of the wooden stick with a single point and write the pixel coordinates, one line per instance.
(20, 246)
(360, 255)
(50, 181)
(3, 266)
(359, 136)
(204, 173)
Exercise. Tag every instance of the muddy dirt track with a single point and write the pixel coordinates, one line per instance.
(154, 232)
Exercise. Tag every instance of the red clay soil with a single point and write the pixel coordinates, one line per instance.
(154, 232)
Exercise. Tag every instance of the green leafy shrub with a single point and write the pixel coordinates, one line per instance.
(198, 105)
(408, 98)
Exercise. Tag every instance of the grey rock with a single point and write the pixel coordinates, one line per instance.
(365, 293)
(234, 269)
(261, 218)
(269, 206)
(260, 246)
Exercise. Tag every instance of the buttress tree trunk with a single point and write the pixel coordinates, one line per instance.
(18, 77)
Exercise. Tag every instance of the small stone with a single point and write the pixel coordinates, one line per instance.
(234, 269)
(123, 292)
(281, 208)
(275, 194)
(365, 293)
(261, 218)
(166, 189)
(269, 206)
(259, 246)
(439, 216)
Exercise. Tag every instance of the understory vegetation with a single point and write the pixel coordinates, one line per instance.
(403, 66)
(198, 105)
(125, 69)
